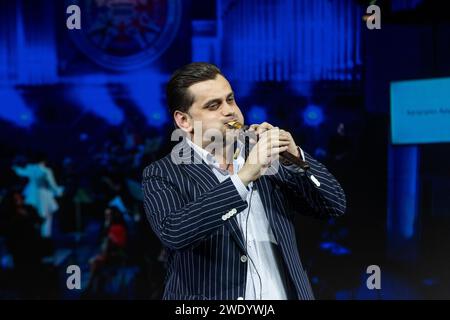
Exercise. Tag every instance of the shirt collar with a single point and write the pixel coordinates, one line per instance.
(208, 158)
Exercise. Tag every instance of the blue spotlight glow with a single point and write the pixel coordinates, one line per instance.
(97, 99)
(335, 248)
(14, 108)
(84, 136)
(256, 114)
(147, 93)
(313, 116)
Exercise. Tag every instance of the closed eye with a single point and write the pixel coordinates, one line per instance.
(213, 106)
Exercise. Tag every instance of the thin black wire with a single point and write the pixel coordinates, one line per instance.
(246, 241)
(246, 152)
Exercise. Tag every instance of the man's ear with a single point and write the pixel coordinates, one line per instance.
(183, 121)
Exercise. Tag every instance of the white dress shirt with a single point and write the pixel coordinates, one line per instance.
(265, 274)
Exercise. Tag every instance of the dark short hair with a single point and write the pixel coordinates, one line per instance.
(178, 96)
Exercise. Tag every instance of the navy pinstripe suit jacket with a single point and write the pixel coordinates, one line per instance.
(185, 205)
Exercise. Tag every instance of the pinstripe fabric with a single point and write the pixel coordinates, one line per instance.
(185, 204)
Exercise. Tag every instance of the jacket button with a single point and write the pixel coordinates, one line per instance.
(243, 258)
(316, 182)
(240, 298)
(224, 217)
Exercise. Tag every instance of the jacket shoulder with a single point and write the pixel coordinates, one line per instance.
(161, 167)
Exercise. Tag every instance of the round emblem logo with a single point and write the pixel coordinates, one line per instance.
(126, 34)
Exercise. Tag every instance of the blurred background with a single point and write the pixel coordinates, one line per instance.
(82, 112)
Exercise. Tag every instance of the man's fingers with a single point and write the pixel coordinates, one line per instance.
(263, 127)
(277, 143)
(260, 127)
(273, 148)
(266, 125)
(285, 134)
(278, 150)
(271, 137)
(270, 133)
(266, 128)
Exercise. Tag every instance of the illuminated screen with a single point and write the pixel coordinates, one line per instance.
(420, 111)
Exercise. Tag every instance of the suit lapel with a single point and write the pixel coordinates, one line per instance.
(205, 179)
(192, 162)
(202, 175)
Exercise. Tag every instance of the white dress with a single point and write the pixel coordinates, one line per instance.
(40, 192)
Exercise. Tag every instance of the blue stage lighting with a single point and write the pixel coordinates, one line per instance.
(256, 114)
(14, 109)
(97, 100)
(147, 94)
(313, 116)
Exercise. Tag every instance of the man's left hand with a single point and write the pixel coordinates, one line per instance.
(284, 136)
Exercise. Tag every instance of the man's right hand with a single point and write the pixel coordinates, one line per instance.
(262, 154)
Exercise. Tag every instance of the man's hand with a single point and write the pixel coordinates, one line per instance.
(284, 136)
(272, 141)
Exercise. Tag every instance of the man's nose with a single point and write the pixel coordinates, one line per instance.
(228, 109)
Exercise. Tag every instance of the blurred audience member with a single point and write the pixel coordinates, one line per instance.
(112, 254)
(41, 190)
(340, 144)
(24, 243)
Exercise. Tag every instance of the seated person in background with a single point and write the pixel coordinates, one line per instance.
(113, 246)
